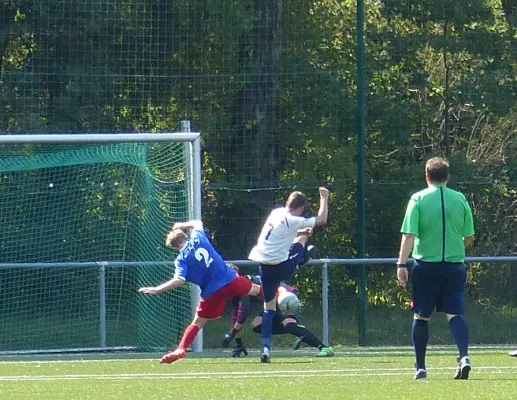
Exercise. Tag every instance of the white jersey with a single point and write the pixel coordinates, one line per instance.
(277, 236)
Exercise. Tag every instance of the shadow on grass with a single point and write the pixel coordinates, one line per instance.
(281, 359)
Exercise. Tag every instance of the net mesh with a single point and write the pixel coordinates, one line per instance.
(273, 87)
(89, 203)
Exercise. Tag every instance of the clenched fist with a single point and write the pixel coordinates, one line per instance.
(324, 192)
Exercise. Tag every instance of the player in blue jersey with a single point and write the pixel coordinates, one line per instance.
(199, 263)
(281, 249)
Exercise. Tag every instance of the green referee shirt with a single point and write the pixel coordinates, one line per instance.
(440, 218)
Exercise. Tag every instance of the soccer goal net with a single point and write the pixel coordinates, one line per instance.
(83, 222)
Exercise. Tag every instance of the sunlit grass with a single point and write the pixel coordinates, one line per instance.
(366, 373)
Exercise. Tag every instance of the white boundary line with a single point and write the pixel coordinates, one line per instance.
(292, 374)
(217, 354)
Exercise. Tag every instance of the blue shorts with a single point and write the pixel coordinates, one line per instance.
(439, 286)
(272, 275)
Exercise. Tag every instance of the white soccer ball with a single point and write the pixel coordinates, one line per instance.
(288, 302)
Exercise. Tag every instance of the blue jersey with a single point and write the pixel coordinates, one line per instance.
(198, 262)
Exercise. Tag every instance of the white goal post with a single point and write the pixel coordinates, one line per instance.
(193, 193)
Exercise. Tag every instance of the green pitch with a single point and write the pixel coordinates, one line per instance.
(366, 373)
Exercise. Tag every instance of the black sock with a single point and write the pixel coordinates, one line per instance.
(238, 341)
(420, 339)
(303, 333)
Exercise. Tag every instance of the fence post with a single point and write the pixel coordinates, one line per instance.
(361, 128)
(325, 299)
(194, 171)
(102, 304)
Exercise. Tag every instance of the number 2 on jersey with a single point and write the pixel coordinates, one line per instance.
(202, 254)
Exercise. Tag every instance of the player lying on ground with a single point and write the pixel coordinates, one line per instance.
(282, 323)
(199, 263)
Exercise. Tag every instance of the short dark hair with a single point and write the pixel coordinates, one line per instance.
(296, 200)
(437, 169)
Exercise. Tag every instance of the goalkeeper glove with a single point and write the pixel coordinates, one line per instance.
(227, 339)
(238, 350)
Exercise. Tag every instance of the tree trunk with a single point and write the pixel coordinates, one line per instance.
(255, 153)
(446, 101)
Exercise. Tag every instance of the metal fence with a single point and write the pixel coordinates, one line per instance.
(326, 282)
(362, 338)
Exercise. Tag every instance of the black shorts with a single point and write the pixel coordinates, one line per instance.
(439, 286)
(278, 326)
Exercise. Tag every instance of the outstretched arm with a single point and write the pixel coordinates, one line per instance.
(193, 224)
(321, 218)
(164, 287)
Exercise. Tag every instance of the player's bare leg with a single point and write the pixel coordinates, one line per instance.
(188, 337)
(256, 290)
(302, 236)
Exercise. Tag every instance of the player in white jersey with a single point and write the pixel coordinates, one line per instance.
(280, 249)
(277, 236)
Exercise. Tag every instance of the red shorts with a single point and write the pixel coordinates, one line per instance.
(213, 306)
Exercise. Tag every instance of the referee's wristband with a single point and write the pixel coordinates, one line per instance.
(401, 266)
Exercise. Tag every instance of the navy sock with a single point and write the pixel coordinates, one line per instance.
(420, 333)
(267, 327)
(238, 341)
(460, 331)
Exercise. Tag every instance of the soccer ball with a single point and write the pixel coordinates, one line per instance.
(288, 302)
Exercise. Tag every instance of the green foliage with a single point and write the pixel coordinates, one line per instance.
(272, 86)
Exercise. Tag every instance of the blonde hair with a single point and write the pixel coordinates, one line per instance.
(176, 239)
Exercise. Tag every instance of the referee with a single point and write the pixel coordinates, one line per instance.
(437, 228)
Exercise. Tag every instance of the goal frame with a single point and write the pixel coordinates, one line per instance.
(193, 142)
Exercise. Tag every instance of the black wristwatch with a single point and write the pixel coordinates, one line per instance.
(401, 266)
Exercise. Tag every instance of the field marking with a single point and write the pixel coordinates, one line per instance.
(293, 374)
(212, 355)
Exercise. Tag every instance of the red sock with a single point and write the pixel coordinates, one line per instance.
(188, 336)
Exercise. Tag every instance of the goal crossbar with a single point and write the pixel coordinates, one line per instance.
(101, 138)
